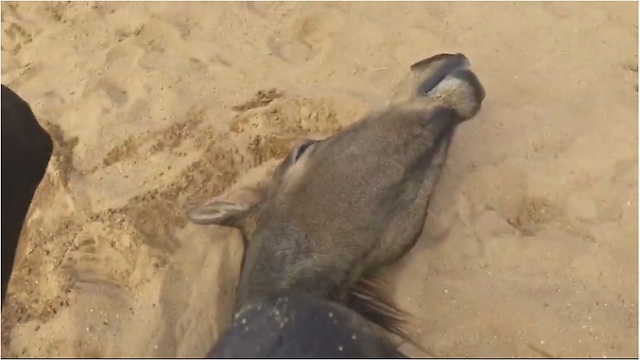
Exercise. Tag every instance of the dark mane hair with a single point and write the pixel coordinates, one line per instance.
(371, 298)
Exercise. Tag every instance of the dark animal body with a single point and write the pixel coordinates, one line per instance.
(339, 209)
(300, 325)
(26, 151)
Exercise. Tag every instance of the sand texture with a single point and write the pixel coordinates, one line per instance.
(530, 248)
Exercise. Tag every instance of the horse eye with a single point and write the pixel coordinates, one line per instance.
(302, 148)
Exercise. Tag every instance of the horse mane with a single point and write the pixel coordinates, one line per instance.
(370, 297)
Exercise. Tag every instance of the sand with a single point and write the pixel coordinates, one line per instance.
(530, 248)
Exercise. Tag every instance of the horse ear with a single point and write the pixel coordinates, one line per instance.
(229, 208)
(218, 213)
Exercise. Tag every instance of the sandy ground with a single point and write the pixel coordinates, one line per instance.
(531, 245)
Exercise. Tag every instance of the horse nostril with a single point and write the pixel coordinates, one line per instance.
(447, 66)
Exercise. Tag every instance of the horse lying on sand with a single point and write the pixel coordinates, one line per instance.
(335, 212)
